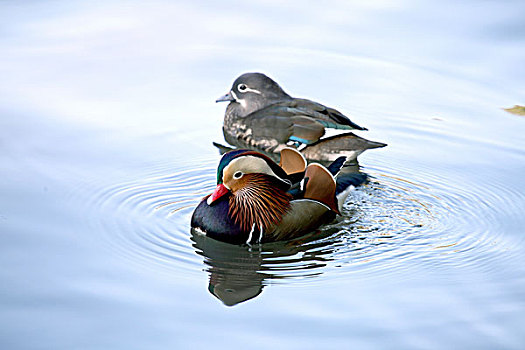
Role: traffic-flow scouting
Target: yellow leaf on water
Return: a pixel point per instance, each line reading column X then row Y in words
column 518, row 110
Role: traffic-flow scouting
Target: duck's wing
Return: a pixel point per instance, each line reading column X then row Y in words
column 283, row 124
column 298, row 120
column 304, row 215
column 321, row 186
column 292, row 161
column 330, row 117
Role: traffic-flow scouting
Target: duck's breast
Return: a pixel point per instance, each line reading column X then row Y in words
column 214, row 221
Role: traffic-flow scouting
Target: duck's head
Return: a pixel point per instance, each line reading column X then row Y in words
column 256, row 187
column 253, row 91
column 243, row 170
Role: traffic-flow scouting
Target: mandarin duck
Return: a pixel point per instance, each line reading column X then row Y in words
column 257, row 200
column 262, row 115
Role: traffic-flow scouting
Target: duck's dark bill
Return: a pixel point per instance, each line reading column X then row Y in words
column 225, row 98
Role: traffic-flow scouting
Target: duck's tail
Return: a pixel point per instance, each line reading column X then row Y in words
column 333, row 147
column 345, row 182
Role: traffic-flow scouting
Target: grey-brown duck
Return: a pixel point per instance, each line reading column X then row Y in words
column 262, row 115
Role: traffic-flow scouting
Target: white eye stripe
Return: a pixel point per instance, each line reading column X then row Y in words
column 244, row 88
column 250, row 165
column 253, row 90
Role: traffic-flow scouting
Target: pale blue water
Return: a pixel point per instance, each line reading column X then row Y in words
column 107, row 118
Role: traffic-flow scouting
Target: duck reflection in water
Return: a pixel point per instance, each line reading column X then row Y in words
column 239, row 273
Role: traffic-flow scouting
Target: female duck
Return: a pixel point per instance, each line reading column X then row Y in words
column 261, row 115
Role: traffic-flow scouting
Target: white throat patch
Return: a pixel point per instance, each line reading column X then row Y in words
column 238, row 100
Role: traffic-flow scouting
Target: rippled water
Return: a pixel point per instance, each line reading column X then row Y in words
column 106, row 147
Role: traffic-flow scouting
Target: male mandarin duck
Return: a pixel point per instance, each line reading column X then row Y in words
column 262, row 115
column 257, row 200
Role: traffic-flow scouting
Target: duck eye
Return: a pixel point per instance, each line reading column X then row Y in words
column 237, row 175
column 242, row 87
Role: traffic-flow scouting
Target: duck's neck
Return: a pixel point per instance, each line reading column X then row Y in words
column 236, row 110
column 243, row 108
column 259, row 205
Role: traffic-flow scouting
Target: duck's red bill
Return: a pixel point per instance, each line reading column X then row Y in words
column 220, row 191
